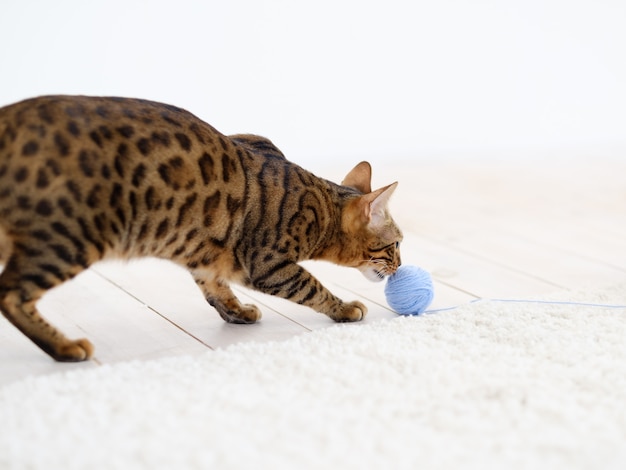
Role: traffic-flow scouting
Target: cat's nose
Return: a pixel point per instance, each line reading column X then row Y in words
column 394, row 267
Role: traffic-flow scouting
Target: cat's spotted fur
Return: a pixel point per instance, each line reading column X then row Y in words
column 84, row 178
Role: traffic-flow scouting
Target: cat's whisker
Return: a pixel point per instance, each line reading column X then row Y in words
column 376, row 261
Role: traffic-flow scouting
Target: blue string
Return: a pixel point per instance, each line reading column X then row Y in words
column 545, row 302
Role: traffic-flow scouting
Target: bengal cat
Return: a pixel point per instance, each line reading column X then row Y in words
column 83, row 178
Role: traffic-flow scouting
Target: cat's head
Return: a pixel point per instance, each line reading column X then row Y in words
column 371, row 241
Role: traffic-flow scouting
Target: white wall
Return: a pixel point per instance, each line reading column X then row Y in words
column 346, row 80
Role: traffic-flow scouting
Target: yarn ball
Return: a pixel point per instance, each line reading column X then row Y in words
column 409, row 291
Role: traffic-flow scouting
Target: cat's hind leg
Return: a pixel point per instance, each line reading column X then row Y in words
column 26, row 277
column 221, row 297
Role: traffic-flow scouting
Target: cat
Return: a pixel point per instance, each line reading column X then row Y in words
column 84, row 178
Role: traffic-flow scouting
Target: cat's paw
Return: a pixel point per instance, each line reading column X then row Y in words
column 350, row 311
column 246, row 314
column 73, row 351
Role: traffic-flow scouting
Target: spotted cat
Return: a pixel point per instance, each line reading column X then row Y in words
column 84, row 178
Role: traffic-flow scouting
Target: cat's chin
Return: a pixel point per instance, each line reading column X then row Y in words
column 371, row 274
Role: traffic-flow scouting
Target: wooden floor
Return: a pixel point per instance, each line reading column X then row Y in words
column 484, row 230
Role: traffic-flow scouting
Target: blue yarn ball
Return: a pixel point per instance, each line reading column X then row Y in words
column 409, row 290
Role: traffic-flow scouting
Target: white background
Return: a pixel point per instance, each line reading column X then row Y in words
column 335, row 80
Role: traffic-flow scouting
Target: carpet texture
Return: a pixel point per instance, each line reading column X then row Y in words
column 488, row 385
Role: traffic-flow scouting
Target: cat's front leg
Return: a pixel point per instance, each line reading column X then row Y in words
column 349, row 312
column 291, row 281
column 221, row 297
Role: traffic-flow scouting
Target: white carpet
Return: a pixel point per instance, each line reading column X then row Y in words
column 489, row 385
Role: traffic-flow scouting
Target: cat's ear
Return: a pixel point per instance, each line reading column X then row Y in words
column 360, row 178
column 374, row 204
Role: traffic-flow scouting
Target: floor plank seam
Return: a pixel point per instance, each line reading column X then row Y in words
column 486, row 259
column 174, row 324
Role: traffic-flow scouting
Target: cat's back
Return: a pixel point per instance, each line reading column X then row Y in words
column 129, row 169
column 65, row 125
column 128, row 141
